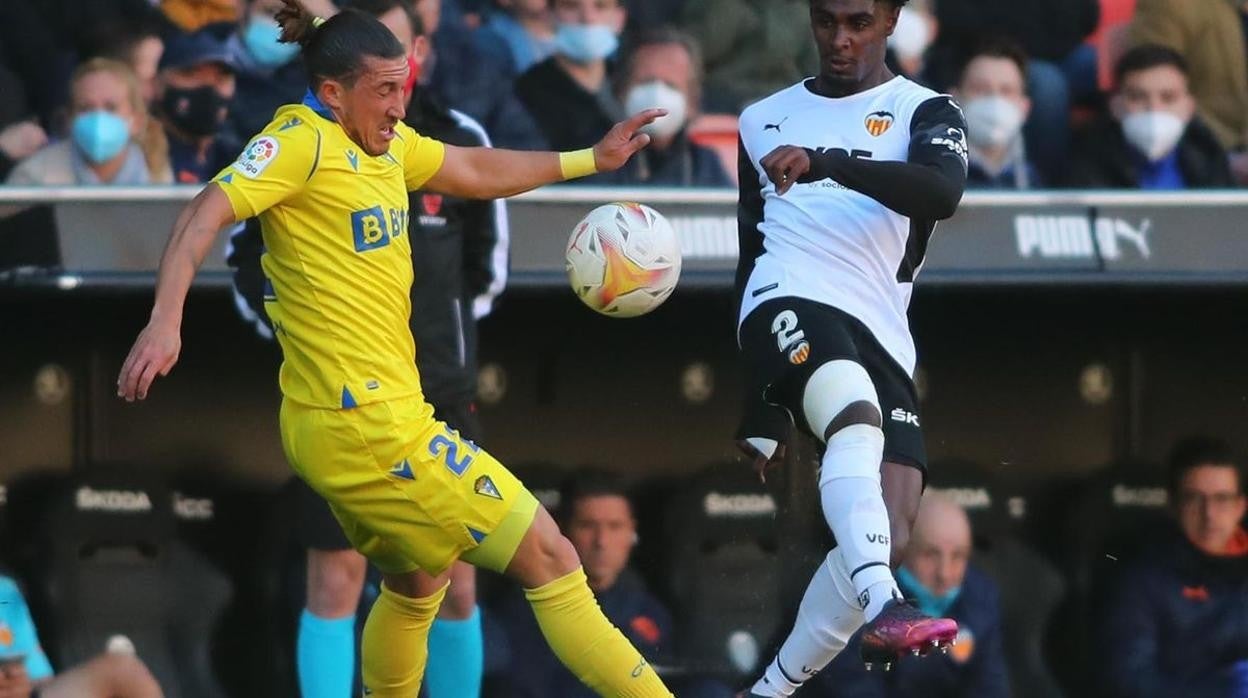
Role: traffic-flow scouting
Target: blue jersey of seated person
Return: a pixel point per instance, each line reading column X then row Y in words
column 974, row 667
column 17, row 632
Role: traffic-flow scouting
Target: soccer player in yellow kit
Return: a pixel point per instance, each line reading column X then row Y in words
column 329, row 180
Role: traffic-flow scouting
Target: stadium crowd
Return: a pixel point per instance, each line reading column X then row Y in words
column 1076, row 93
column 1092, row 94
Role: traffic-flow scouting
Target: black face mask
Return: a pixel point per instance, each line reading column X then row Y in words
column 197, row 112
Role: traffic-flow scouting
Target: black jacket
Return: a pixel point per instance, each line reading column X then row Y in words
column 683, row 164
column 570, row 117
column 1102, row 159
column 459, row 256
column 1047, row 30
column 1178, row 623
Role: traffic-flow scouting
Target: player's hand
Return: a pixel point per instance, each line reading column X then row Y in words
column 14, row 682
column 22, row 139
column 761, row 462
column 154, row 352
column 624, row 140
column 785, row 165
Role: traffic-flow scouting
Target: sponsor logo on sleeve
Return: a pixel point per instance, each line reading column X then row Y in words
column 259, row 154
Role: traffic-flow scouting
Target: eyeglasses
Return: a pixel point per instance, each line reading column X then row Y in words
column 1219, row 500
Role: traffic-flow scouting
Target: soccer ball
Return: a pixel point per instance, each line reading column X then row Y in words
column 623, row 259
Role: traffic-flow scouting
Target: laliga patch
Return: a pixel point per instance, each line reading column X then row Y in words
column 878, row 123
column 258, row 155
column 484, row 486
column 800, row 353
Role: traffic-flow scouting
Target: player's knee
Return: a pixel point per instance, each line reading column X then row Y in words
column 461, row 597
column 544, row 555
column 335, row 580
column 840, row 394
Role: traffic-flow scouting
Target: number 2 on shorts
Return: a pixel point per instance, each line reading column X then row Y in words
column 445, row 447
column 786, row 331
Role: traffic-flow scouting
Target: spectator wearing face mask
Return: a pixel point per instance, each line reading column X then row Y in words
column 937, row 574
column 270, row 73
column 569, row 94
column 915, row 31
column 663, row 69
column 108, row 123
column 195, row 87
column 472, row 77
column 992, row 90
column 524, row 28
column 1155, row 141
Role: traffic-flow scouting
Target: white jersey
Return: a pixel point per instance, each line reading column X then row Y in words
column 823, row 241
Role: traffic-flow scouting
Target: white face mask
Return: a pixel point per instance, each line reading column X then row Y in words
column 657, row 94
column 912, row 35
column 992, row 122
column 1154, row 133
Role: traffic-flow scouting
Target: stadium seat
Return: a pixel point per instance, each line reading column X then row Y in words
column 114, row 566
column 725, row 572
column 719, row 133
column 1031, row 589
column 1106, row 521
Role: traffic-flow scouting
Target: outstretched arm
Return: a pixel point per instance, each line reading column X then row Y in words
column 490, row 173
column 157, row 348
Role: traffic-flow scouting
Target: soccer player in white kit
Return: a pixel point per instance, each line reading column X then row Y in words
column 843, row 178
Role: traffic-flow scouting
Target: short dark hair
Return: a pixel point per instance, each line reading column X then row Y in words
column 335, row 49
column 1148, row 56
column 591, row 483
column 895, row 3
column 665, row 36
column 994, row 47
column 1196, row 451
column 377, row 8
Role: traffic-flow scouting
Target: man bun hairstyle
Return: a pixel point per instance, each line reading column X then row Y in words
column 335, row 48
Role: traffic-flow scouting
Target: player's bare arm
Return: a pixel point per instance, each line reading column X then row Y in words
column 490, row 173
column 157, row 348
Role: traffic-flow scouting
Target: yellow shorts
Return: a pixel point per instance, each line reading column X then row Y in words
column 409, row 492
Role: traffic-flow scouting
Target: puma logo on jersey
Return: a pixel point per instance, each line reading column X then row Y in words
column 901, row 415
column 776, row 126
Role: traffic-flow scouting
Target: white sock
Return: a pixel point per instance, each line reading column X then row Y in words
column 853, row 505
column 828, row 616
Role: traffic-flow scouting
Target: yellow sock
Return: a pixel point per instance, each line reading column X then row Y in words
column 395, row 643
column 586, row 642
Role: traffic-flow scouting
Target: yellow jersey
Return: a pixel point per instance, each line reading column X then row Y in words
column 337, row 255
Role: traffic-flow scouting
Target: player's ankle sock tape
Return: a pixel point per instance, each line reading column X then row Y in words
column 574, row 164
column 586, row 642
column 456, row 657
column 395, row 643
column 325, row 655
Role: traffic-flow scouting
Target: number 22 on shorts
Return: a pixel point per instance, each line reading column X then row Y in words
column 446, row 446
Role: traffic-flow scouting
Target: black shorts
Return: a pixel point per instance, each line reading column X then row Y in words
column 779, row 374
column 317, row 528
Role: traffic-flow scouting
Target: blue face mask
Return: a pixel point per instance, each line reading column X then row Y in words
column 585, row 43
column 100, row 135
column 928, row 602
column 261, row 39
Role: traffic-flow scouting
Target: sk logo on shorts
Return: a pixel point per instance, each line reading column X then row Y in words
column 800, row 353
column 484, row 486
